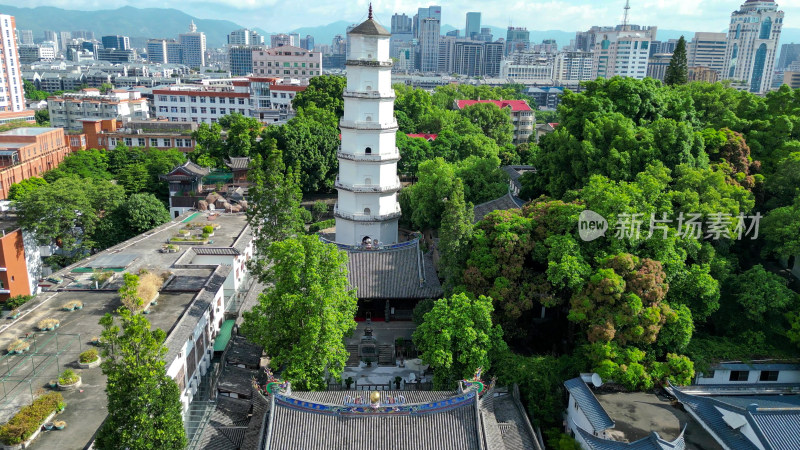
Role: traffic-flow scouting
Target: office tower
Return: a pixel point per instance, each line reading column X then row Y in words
column 446, row 52
column 116, row 55
column 91, row 46
column 294, row 39
column 64, row 38
column 657, row 65
column 157, row 50
column 288, row 62
column 485, row 35
column 517, row 39
column 193, row 46
column 707, row 50
column 401, row 23
column 28, row 53
column 307, row 42
column 240, row 59
column 174, row 52
column 13, row 98
column 473, row 27
column 493, row 56
column 245, row 37
column 752, row 44
column 50, row 36
column 25, row 37
column 433, row 12
column 279, row 40
column 118, row 42
column 367, row 210
column 623, row 53
column 429, row 36
column 789, row 54
column 453, row 33
column 83, row 34
column 469, row 58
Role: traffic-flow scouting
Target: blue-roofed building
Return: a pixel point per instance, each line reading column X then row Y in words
column 756, row 372
column 584, row 411
column 652, row 442
column 749, row 419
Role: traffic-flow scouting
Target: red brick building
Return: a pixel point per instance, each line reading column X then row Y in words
column 14, row 279
column 28, row 152
column 147, row 134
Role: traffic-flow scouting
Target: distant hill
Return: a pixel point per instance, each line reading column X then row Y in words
column 127, row 21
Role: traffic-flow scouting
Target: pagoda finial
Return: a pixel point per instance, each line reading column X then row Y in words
column 370, row 11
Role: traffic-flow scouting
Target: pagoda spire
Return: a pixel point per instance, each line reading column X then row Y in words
column 370, row 11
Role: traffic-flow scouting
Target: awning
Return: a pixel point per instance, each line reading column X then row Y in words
column 224, row 335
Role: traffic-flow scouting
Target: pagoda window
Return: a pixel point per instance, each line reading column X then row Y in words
column 367, row 212
column 368, row 150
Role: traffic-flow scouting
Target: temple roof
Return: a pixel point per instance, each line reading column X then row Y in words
column 238, row 163
column 503, row 203
column 187, row 170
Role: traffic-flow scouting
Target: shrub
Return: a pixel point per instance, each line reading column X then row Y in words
column 305, row 215
column 18, row 345
column 101, row 277
column 17, row 301
column 208, row 229
column 30, row 418
column 72, row 304
column 46, row 324
column 322, row 225
column 88, row 356
column 149, row 284
column 319, row 209
column 68, row 377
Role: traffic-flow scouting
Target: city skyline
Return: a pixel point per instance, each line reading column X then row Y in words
column 566, row 15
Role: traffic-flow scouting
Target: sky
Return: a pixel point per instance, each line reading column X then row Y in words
column 567, row 15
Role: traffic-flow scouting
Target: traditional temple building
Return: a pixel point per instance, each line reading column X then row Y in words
column 474, row 417
column 386, row 265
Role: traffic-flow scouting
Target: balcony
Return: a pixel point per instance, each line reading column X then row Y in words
column 368, row 125
column 359, row 217
column 368, row 63
column 367, row 94
column 368, row 188
column 372, row 157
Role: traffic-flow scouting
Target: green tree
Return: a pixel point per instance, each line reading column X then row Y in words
column 454, row 236
column 209, row 150
column 42, row 117
column 144, row 406
column 781, row 230
column 91, row 163
column 756, row 299
column 324, row 92
column 302, row 319
column 129, row 293
column 457, row 337
column 678, row 69
column 241, row 134
column 274, row 204
column 20, row 190
column 493, row 121
column 426, row 197
column 106, row 87
column 31, row 93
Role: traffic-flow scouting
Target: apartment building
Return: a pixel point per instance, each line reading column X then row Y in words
column 12, row 96
column 147, row 134
column 521, row 114
column 573, row 67
column 68, row 110
column 287, row 62
column 28, row 152
column 707, row 50
column 657, row 65
column 623, row 52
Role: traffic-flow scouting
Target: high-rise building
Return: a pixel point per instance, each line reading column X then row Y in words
column 118, row 42
column 432, row 12
column 50, row 36
column 657, row 65
column 245, row 37
column 623, row 52
column 307, row 42
column 367, row 210
column 789, row 54
column 707, row 50
column 402, row 35
column 473, row 27
column 174, row 52
column 517, row 39
column 193, row 46
column 485, row 35
column 447, row 49
column 64, row 38
column 493, row 56
column 469, row 58
column 279, row 40
column 429, row 36
column 157, row 50
column 12, row 96
column 573, row 66
column 401, row 23
column 287, row 62
column 294, row 39
column 116, row 55
column 240, row 59
column 83, row 34
column 753, row 36
column 453, row 33
column 25, row 37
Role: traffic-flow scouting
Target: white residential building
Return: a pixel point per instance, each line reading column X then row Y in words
column 287, row 62
column 193, row 46
column 623, row 52
column 66, row 111
column 539, row 72
column 12, row 96
column 753, row 36
column 572, row 67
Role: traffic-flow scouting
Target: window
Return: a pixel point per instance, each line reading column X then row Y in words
column 128, row 142
column 140, row 142
column 202, row 99
column 768, row 375
column 368, row 151
column 193, row 99
column 173, row 98
column 739, row 375
column 222, row 111
column 212, row 100
column 153, row 142
column 231, row 101
column 203, row 110
column 162, row 98
column 183, row 109
column 241, row 101
column 367, row 211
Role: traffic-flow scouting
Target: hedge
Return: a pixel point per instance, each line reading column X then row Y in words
column 88, row 356
column 321, row 225
column 30, row 418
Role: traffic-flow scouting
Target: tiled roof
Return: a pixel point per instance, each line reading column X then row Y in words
column 515, row 172
column 515, row 105
column 188, row 168
column 370, row 27
column 589, row 404
column 426, row 136
column 238, row 163
column 393, row 274
column 227, row 425
column 652, row 442
column 775, row 419
column 215, row 251
column 499, row 204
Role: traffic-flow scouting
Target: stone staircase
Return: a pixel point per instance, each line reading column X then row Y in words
column 353, row 360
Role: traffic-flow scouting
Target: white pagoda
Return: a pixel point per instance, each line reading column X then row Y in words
column 367, row 211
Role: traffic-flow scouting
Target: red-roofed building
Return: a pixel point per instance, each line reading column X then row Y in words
column 521, row 114
column 428, row 137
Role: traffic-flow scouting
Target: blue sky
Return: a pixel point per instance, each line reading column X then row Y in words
column 567, row 15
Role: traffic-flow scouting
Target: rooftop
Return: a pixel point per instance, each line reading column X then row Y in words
column 28, row 131
column 515, row 105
